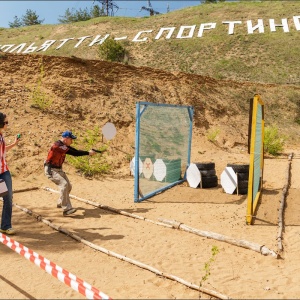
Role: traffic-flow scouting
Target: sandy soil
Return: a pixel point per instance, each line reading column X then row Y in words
column 236, row 272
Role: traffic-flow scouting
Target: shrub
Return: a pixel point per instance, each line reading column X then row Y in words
column 112, row 50
column 90, row 165
column 212, row 134
column 273, row 141
column 39, row 98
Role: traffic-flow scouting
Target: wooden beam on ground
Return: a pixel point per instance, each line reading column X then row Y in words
column 26, row 190
column 223, row 238
column 122, row 257
column 282, row 203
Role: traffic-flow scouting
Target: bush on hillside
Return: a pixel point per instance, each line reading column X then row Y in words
column 273, row 141
column 90, row 166
column 112, row 50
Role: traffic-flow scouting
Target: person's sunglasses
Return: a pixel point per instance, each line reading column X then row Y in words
column 6, row 122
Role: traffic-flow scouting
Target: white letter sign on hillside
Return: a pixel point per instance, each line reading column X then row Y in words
column 206, row 26
column 297, row 22
column 46, row 45
column 182, row 29
column 81, row 39
column 170, row 29
column 30, row 49
column 284, row 25
column 259, row 26
column 184, row 32
column 63, row 42
column 231, row 25
column 136, row 38
column 20, row 47
column 98, row 41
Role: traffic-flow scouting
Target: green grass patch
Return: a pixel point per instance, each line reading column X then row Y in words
column 90, row 166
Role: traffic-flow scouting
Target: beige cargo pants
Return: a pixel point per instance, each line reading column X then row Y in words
column 59, row 177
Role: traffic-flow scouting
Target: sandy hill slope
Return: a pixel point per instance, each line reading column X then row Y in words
column 88, row 93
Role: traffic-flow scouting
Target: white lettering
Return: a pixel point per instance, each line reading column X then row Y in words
column 98, row 40
column 81, row 39
column 170, row 29
column 8, row 47
column 29, row 49
column 46, row 45
column 120, row 38
column 205, row 26
column 63, row 42
column 284, row 24
column 297, row 22
column 181, row 30
column 21, row 46
column 259, row 26
column 231, row 25
column 184, row 32
column 136, row 38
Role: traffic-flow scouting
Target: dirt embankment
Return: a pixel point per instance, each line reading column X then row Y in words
column 88, row 93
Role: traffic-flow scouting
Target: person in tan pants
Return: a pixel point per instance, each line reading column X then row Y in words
column 53, row 168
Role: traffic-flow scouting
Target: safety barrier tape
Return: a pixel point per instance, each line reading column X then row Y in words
column 51, row 268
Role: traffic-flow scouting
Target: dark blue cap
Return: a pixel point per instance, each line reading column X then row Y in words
column 69, row 134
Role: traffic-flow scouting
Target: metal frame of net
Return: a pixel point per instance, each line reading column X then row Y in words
column 162, row 147
column 256, row 155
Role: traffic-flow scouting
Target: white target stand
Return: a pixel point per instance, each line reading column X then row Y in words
column 160, row 170
column 193, row 176
column 132, row 166
column 148, row 168
column 229, row 180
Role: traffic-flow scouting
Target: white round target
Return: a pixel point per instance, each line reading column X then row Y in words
column 160, row 170
column 132, row 166
column 147, row 168
column 109, row 131
column 193, row 176
column 229, row 180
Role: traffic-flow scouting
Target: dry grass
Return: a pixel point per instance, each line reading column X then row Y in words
column 268, row 57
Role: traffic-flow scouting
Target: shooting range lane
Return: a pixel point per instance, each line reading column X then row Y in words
column 168, row 250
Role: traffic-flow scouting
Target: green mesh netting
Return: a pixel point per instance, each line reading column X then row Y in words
column 257, row 153
column 164, row 146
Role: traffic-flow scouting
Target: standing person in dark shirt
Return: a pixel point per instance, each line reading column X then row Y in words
column 53, row 168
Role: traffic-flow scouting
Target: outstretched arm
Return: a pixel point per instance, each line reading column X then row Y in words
column 8, row 147
column 74, row 152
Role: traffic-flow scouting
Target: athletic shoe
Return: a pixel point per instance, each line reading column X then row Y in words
column 69, row 211
column 9, row 231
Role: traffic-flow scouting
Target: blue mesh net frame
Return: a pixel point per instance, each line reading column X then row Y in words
column 162, row 145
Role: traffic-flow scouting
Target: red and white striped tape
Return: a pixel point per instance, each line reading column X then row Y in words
column 51, row 268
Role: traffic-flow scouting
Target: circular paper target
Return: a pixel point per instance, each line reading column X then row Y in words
column 193, row 176
column 160, row 170
column 109, row 131
column 148, row 168
column 229, row 180
column 132, row 166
